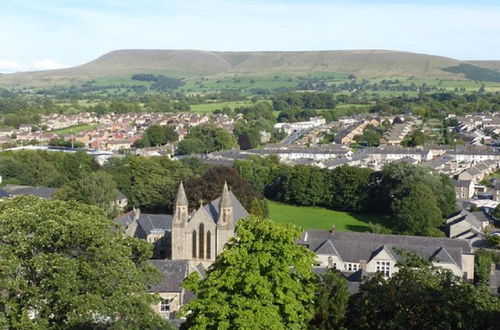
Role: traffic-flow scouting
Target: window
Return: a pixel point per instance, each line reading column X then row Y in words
column 384, row 267
column 330, row 262
column 194, row 244
column 209, row 247
column 352, row 267
column 201, row 242
column 165, row 305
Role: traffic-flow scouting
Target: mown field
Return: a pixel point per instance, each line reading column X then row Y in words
column 211, row 107
column 319, row 218
column 74, row 129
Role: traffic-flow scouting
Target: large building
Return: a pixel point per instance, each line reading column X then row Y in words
column 359, row 254
column 184, row 242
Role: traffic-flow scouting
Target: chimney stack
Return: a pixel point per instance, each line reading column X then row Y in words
column 333, row 230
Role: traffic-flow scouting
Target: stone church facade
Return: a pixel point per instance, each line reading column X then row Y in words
column 201, row 236
column 184, row 242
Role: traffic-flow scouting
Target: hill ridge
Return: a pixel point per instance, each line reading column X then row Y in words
column 183, row 63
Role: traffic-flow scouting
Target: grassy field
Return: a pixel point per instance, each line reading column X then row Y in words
column 210, row 107
column 319, row 218
column 74, row 129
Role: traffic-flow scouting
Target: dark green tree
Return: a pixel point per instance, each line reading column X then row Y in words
column 425, row 297
column 417, row 213
column 331, row 301
column 349, row 188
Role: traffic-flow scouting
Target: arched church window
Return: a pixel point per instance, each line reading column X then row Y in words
column 201, row 242
column 194, row 244
column 209, row 242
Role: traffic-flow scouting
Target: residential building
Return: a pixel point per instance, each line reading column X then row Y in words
column 370, row 253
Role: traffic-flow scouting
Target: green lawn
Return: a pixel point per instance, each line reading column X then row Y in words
column 210, row 107
column 319, row 218
column 74, row 129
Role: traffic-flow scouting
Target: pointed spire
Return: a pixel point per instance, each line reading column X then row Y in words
column 225, row 200
column 181, row 198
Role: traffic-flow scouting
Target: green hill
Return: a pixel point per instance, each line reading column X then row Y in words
column 188, row 63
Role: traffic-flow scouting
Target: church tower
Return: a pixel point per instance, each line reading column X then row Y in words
column 179, row 220
column 225, row 222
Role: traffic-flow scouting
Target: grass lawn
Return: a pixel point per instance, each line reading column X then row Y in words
column 319, row 218
column 210, row 107
column 74, row 129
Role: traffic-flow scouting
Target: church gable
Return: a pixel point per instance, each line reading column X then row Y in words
column 201, row 216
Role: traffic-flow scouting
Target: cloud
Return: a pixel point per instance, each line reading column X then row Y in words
column 9, row 66
column 47, row 64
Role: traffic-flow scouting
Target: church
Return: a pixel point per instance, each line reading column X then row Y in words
column 184, row 242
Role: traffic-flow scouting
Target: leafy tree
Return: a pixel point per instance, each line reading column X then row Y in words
column 209, row 187
column 482, row 265
column 331, row 301
column 97, row 188
column 392, row 181
column 417, row 213
column 156, row 135
column 206, row 138
column 422, row 298
column 259, row 171
column 348, row 188
column 150, row 183
column 190, row 146
column 305, row 185
column 263, row 279
column 417, row 138
column 259, row 208
column 65, row 266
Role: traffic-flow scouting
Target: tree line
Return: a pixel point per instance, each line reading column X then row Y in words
column 413, row 199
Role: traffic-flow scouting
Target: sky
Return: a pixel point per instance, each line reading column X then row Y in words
column 51, row 34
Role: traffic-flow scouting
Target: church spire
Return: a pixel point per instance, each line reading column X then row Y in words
column 225, row 200
column 181, row 198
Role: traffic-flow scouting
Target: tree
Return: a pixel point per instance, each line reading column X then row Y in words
column 425, row 297
column 392, row 181
column 190, row 146
column 263, row 279
column 260, row 208
column 209, row 187
column 417, row 213
column 349, row 191
column 65, row 266
column 157, row 135
column 96, row 188
column 331, row 301
column 206, row 138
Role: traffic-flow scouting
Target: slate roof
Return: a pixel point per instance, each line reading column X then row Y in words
column 461, row 183
column 4, row 194
column 174, row 272
column 42, row 192
column 150, row 223
column 353, row 247
column 239, row 211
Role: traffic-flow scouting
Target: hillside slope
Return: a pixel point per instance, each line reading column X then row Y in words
column 185, row 63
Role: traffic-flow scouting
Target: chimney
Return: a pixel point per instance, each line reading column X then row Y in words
column 333, row 230
column 137, row 213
